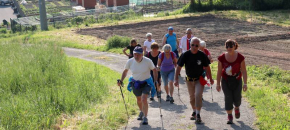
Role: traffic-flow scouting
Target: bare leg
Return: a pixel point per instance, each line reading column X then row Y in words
column 171, row 88
column 229, row 111
column 166, row 90
column 145, row 104
column 139, row 102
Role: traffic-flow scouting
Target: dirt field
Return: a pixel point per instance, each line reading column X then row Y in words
column 260, row 43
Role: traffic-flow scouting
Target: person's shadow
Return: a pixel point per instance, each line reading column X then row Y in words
column 241, row 127
column 146, row 127
column 167, row 106
column 202, row 126
column 214, row 107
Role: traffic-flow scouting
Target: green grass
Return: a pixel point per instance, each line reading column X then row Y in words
column 38, row 84
column 268, row 92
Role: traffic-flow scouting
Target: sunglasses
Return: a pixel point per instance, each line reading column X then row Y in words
column 230, row 46
column 194, row 45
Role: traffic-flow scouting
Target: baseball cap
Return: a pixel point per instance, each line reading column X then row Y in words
column 170, row 28
column 138, row 50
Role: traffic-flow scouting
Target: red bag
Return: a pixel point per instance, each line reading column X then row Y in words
column 203, row 82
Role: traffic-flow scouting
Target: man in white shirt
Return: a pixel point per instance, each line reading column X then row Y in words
column 147, row 43
column 185, row 40
column 140, row 82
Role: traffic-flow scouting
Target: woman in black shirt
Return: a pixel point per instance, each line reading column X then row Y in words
column 153, row 55
column 131, row 47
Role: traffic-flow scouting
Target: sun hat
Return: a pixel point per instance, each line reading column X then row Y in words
column 138, row 50
column 170, row 28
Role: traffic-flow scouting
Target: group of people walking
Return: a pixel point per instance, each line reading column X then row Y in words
column 148, row 65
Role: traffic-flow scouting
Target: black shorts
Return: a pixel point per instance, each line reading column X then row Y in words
column 144, row 90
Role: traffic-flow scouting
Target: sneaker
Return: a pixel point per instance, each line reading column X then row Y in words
column 167, row 98
column 159, row 94
column 237, row 113
column 171, row 100
column 198, row 119
column 230, row 119
column 152, row 98
column 193, row 116
column 140, row 117
column 145, row 121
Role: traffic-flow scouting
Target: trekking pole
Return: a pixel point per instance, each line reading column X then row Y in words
column 179, row 97
column 160, row 109
column 119, row 81
column 211, row 93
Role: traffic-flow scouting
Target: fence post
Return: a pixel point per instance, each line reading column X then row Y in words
column 10, row 24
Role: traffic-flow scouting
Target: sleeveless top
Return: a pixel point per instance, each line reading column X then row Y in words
column 154, row 59
column 236, row 66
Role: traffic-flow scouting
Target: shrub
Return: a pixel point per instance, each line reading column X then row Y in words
column 3, row 30
column 118, row 42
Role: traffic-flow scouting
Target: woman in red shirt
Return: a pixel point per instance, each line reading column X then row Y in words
column 231, row 69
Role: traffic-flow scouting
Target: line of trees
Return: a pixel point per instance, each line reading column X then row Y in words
column 206, row 5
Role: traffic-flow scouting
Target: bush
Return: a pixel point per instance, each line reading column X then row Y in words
column 3, row 30
column 117, row 42
column 207, row 5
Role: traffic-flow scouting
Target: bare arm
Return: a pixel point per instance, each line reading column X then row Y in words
column 175, row 62
column 124, row 74
column 124, row 51
column 208, row 71
column 177, row 72
column 245, row 76
column 218, row 78
column 144, row 50
column 164, row 40
column 155, row 74
column 210, row 58
column 159, row 62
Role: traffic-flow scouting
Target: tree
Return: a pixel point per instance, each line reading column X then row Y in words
column 192, row 4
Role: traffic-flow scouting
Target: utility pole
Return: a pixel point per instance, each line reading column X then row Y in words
column 43, row 18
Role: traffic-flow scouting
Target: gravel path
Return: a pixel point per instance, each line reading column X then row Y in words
column 175, row 116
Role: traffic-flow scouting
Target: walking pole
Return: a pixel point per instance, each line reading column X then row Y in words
column 211, row 93
column 180, row 98
column 119, row 81
column 156, row 83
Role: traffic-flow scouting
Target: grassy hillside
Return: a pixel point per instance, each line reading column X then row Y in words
column 39, row 84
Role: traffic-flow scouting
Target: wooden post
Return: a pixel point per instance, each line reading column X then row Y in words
column 43, row 17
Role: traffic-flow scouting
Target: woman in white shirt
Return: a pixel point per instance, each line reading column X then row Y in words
column 147, row 43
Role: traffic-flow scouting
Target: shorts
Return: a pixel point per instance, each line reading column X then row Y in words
column 144, row 90
column 167, row 75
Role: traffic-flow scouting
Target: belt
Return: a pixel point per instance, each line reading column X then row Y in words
column 191, row 79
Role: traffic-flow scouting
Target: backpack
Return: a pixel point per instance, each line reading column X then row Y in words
column 168, row 37
column 162, row 56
